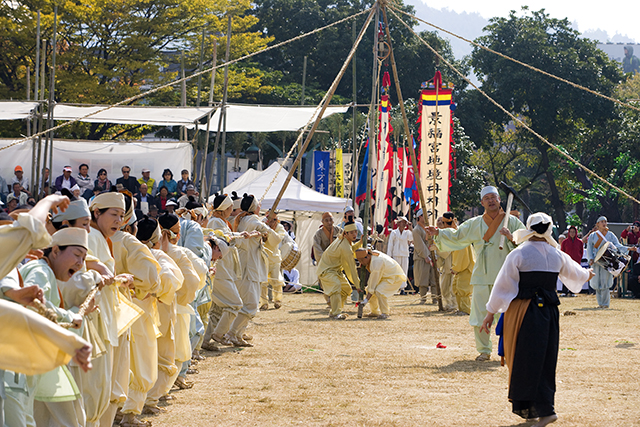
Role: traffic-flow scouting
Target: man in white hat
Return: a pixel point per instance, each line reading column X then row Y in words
column 152, row 185
column 423, row 273
column 399, row 241
column 603, row 280
column 483, row 232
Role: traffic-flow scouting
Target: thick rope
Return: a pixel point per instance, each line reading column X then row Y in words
column 514, row 118
column 531, row 67
column 184, row 79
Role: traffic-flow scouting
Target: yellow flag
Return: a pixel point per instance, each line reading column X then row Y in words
column 339, row 174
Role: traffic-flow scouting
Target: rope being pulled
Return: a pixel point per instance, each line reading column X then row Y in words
column 514, row 118
column 184, row 79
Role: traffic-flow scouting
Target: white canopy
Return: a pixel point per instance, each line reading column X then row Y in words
column 144, row 115
column 245, row 179
column 268, row 118
column 297, row 197
column 16, row 110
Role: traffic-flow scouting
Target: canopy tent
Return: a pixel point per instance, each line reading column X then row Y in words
column 16, row 110
column 156, row 156
column 130, row 115
column 269, row 118
column 246, row 178
column 297, row 197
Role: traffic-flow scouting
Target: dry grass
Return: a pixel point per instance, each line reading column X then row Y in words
column 307, row 370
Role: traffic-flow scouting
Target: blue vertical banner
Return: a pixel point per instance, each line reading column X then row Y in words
column 321, row 161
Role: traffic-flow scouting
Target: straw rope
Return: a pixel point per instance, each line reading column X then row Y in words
column 531, row 67
column 514, row 118
column 184, row 79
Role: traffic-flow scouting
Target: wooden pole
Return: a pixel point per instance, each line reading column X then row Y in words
column 223, row 158
column 52, row 89
column 330, row 93
column 354, row 113
column 412, row 151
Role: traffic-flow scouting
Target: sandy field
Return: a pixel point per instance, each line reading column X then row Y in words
column 308, row 370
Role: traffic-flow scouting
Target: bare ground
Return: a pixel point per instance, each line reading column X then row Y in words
column 307, row 370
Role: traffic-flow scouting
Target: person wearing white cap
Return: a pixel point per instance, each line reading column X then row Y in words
column 56, row 393
column 152, row 185
column 525, row 291
column 65, row 180
column 423, row 269
column 385, row 278
column 399, row 241
column 349, row 216
column 603, row 280
column 483, row 232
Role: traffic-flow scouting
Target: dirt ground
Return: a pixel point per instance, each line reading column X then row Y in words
column 307, row 370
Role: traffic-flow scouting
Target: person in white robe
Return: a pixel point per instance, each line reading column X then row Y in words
column 385, row 276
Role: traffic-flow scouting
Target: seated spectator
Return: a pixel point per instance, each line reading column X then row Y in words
column 153, row 211
column 288, row 228
column 171, row 206
column 18, row 176
column 184, row 183
column 190, row 195
column 169, row 183
column 65, row 180
column 631, row 236
column 96, row 191
column 145, row 200
column 84, row 181
column 4, row 190
column 12, row 203
column 128, row 182
column 152, row 185
column 76, row 191
column 18, row 194
column 43, row 184
column 162, row 199
column 102, row 183
column 292, row 281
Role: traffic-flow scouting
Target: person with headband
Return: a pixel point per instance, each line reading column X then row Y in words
column 171, row 280
column 274, row 259
column 603, row 280
column 424, row 276
column 462, row 263
column 385, row 279
column 483, row 233
column 325, row 235
column 525, row 291
column 399, row 241
column 107, row 215
column 226, row 300
column 444, row 263
column 136, row 371
column 55, row 393
column 336, row 268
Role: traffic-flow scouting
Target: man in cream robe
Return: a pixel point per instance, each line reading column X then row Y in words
column 423, row 269
column 335, row 267
column 483, row 233
column 462, row 263
column 445, row 259
column 385, row 278
column 276, row 280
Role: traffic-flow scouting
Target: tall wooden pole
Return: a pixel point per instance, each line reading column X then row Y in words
column 412, row 151
column 204, row 182
column 354, row 112
column 330, row 93
column 52, row 89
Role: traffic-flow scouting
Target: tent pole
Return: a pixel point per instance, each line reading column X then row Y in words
column 204, row 190
column 329, row 95
column 39, row 162
column 354, row 139
column 203, row 172
column 223, row 158
column 200, row 68
column 412, row 151
column 183, row 96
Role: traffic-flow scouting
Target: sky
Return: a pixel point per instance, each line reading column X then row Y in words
column 622, row 18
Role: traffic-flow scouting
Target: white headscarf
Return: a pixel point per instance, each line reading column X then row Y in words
column 537, row 218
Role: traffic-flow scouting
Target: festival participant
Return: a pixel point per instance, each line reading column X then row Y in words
column 170, row 225
column 349, row 216
column 631, row 236
column 573, row 246
column 399, row 241
column 462, row 263
column 603, row 280
column 325, row 235
column 525, row 290
column 336, row 268
column 423, row 274
column 171, row 280
column 226, row 301
column 445, row 258
column 254, row 267
column 107, row 213
column 55, row 393
column 385, row 278
column 140, row 373
column 272, row 249
column 169, row 183
column 482, row 233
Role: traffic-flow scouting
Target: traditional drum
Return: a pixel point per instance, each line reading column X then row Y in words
column 290, row 256
column 612, row 259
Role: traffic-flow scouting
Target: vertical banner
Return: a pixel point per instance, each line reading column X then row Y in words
column 347, row 166
column 406, row 205
column 384, row 156
column 435, row 145
column 339, row 173
column 321, row 171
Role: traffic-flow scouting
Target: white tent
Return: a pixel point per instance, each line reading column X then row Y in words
column 156, row 116
column 302, row 204
column 246, row 178
column 297, row 197
column 16, row 110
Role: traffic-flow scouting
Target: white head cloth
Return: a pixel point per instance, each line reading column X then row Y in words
column 77, row 209
column 488, row 190
column 537, row 218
